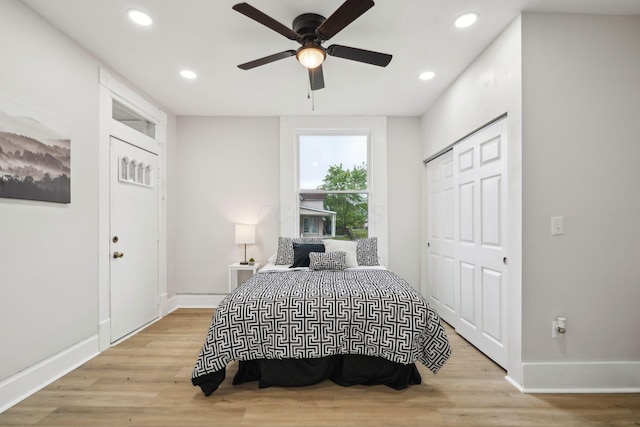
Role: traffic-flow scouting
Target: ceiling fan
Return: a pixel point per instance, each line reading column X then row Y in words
column 311, row 30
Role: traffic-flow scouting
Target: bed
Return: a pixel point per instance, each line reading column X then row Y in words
column 340, row 317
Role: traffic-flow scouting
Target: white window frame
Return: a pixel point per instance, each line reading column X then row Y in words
column 288, row 213
column 367, row 191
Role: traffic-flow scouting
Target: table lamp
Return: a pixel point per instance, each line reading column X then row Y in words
column 245, row 235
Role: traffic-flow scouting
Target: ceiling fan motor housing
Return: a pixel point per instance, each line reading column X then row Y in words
column 306, row 25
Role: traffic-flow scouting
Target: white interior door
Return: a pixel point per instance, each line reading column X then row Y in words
column 466, row 229
column 480, row 165
column 134, row 295
column 441, row 246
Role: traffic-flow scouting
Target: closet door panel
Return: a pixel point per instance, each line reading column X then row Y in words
column 441, row 238
column 491, row 211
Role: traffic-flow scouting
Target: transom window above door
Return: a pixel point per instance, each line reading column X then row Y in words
column 130, row 118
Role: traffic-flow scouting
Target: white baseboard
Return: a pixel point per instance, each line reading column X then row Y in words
column 164, row 305
column 514, row 383
column 589, row 377
column 104, row 333
column 200, row 300
column 23, row 384
column 172, row 304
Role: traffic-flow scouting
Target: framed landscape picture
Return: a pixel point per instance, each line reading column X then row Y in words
column 35, row 155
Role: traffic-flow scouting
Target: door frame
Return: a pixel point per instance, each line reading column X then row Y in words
column 112, row 89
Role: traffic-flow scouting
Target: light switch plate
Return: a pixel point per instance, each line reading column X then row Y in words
column 557, row 225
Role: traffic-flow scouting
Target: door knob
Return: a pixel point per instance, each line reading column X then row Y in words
column 118, row 254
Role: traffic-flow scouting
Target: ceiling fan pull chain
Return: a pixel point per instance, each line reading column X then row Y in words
column 311, row 96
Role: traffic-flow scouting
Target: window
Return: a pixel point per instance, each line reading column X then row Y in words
column 130, row 118
column 287, row 214
column 134, row 172
column 309, row 226
column 333, row 185
column 133, row 167
column 124, row 169
column 147, row 175
column 140, row 173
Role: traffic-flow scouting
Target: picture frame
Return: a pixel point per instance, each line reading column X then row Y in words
column 35, row 155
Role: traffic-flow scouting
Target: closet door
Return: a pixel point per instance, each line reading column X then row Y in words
column 441, row 243
column 481, row 190
column 466, row 232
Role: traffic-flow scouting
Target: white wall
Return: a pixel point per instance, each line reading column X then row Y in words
column 172, row 179
column 581, row 100
column 228, row 173
column 488, row 88
column 48, row 296
column 570, row 86
column 404, row 170
column 48, row 251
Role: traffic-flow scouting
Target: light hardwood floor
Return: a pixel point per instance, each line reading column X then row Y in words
column 145, row 381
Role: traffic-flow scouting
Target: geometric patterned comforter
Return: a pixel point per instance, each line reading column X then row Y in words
column 302, row 314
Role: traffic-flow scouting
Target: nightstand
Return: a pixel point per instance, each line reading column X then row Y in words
column 235, row 268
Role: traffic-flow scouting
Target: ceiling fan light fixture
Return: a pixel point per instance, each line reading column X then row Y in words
column 311, row 56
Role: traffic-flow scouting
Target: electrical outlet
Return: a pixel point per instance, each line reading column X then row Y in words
column 554, row 331
column 558, row 328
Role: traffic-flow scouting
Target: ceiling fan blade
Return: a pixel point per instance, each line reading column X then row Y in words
column 267, row 59
column 361, row 55
column 316, row 78
column 343, row 16
column 253, row 13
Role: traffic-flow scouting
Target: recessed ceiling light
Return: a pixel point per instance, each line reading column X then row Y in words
column 139, row 17
column 427, row 75
column 466, row 20
column 188, row 74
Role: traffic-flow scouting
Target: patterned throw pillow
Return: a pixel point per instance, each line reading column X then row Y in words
column 367, row 251
column 327, row 260
column 285, row 248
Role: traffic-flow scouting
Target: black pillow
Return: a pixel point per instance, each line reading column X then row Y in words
column 301, row 253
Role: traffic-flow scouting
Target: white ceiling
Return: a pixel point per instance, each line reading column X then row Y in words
column 210, row 38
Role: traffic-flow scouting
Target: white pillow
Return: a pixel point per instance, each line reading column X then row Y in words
column 346, row 246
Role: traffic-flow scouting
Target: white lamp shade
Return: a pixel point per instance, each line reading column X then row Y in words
column 245, row 234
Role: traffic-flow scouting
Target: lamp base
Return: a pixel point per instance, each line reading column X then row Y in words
column 244, row 263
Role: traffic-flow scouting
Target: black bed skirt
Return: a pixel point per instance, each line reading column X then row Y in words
column 345, row 370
